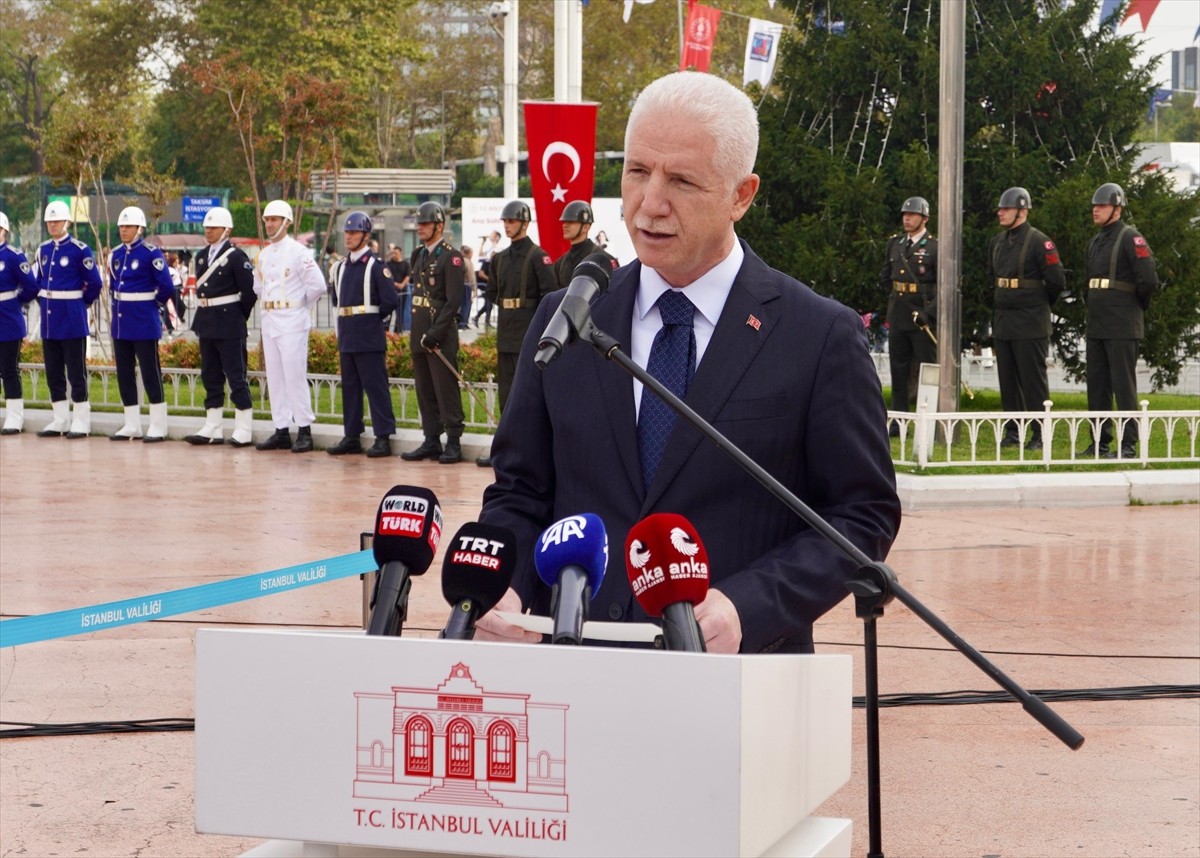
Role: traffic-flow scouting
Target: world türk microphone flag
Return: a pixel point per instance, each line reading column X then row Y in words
column 561, row 139
column 699, row 33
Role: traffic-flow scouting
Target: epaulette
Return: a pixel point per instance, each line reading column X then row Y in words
column 80, row 244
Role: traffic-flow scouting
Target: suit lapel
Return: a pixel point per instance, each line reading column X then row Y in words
column 745, row 323
column 613, row 314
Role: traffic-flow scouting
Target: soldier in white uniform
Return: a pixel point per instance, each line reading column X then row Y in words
column 288, row 282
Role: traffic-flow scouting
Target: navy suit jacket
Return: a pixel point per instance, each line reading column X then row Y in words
column 786, row 377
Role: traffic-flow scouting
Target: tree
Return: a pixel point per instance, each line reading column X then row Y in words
column 849, row 130
column 31, row 79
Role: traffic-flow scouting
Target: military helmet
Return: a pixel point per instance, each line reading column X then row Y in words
column 3, row 221
column 431, row 212
column 278, row 208
column 516, row 210
column 357, row 222
column 1015, row 198
column 57, row 210
column 915, row 205
column 1109, row 194
column 577, row 211
column 218, row 217
column 131, row 216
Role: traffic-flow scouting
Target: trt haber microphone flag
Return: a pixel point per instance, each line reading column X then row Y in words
column 561, row 139
column 699, row 33
column 762, row 48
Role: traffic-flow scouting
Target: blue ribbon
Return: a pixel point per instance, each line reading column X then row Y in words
column 110, row 615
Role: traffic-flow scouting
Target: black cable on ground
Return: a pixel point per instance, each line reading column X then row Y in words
column 1049, row 695
column 19, row 729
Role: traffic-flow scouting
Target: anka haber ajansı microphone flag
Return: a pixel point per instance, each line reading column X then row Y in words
column 699, row 33
column 561, row 139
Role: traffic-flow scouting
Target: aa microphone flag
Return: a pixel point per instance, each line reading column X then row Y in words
column 762, row 47
column 561, row 139
column 699, row 33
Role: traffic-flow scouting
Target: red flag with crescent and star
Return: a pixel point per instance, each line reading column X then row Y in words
column 561, row 139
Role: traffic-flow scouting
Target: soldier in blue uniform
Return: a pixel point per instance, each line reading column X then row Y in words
column 141, row 285
column 910, row 277
column 364, row 294
column 18, row 287
column 224, row 300
column 68, row 282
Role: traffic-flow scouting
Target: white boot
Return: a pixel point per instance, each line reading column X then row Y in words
column 132, row 429
column 62, row 418
column 81, row 421
column 210, row 432
column 243, row 423
column 14, row 417
column 158, row 423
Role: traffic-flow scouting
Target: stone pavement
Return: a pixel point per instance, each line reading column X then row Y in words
column 1068, row 597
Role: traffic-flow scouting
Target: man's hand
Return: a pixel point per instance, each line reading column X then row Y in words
column 920, row 319
column 428, row 343
column 493, row 628
column 719, row 623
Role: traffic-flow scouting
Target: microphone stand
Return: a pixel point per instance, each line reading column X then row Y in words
column 873, row 587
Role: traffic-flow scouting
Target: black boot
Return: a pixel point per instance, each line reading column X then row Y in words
column 431, row 449
column 380, row 449
column 304, row 442
column 484, row 461
column 281, row 440
column 453, row 452
column 348, row 444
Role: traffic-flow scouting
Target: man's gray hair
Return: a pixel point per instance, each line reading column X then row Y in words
column 723, row 109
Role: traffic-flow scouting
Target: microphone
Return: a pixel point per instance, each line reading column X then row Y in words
column 668, row 571
column 476, row 572
column 571, row 556
column 589, row 279
column 408, row 528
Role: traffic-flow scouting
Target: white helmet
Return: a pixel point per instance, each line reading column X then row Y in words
column 3, row 221
column 131, row 216
column 57, row 210
column 218, row 217
column 278, row 208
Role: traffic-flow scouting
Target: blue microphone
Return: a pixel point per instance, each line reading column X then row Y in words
column 571, row 557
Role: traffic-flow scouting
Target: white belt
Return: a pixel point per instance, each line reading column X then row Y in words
column 358, row 310
column 133, row 296
column 8, row 296
column 60, row 295
column 217, row 302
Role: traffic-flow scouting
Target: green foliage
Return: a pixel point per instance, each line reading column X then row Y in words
column 850, row 129
column 180, row 354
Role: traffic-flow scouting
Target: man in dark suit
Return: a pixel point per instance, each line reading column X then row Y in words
column 781, row 372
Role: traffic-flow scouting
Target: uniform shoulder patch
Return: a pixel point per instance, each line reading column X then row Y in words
column 387, row 272
column 1138, row 240
column 88, row 263
column 25, row 267
column 456, row 260
column 546, row 260
column 1049, row 245
column 247, row 265
column 160, row 263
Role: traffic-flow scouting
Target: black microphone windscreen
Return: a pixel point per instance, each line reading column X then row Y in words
column 408, row 528
column 598, row 266
column 479, row 565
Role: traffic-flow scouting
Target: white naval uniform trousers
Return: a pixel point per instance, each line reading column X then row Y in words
column 288, row 283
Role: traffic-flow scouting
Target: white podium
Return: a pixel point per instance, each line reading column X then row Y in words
column 341, row 745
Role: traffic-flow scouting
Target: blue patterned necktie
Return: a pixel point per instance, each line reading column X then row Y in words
column 673, row 363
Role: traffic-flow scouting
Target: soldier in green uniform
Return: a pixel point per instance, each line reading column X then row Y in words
column 577, row 220
column 1121, row 278
column 1024, row 267
column 519, row 276
column 437, row 284
column 910, row 277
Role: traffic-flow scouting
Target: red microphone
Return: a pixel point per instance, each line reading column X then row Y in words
column 668, row 571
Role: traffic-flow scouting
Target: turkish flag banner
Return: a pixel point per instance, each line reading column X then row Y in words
column 698, row 36
column 561, row 139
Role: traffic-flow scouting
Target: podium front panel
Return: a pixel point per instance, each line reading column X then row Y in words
column 501, row 749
